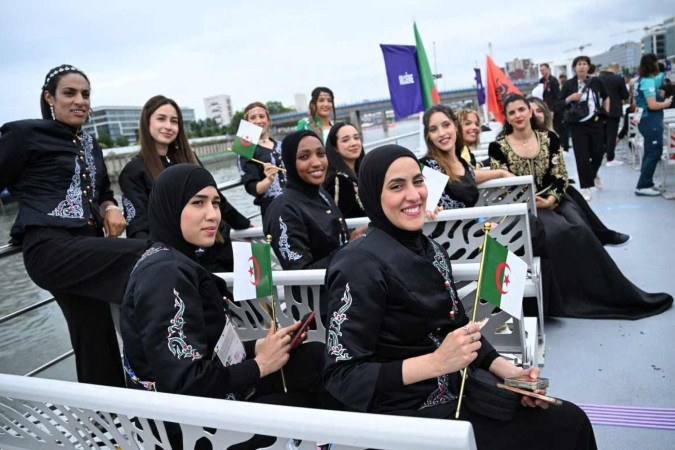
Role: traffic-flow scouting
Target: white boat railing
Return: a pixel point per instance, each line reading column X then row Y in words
column 45, row 414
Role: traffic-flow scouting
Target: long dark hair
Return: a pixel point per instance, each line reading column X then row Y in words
column 315, row 98
column 51, row 81
column 180, row 148
column 432, row 150
column 508, row 129
column 649, row 65
column 335, row 161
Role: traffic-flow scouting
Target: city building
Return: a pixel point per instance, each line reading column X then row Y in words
column 522, row 70
column 627, row 55
column 660, row 40
column 219, row 108
column 116, row 121
column 300, row 102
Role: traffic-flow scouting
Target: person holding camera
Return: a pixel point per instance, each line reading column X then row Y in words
column 585, row 101
column 648, row 98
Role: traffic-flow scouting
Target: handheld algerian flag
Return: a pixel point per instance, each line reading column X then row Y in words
column 436, row 183
column 503, row 277
column 252, row 270
column 246, row 139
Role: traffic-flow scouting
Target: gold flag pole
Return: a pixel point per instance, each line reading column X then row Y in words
column 486, row 230
column 274, row 319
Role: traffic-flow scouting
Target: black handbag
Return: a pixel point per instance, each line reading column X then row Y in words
column 577, row 110
column 483, row 397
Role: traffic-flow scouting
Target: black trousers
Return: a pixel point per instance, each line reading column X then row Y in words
column 611, row 131
column 560, row 128
column 85, row 273
column 588, row 139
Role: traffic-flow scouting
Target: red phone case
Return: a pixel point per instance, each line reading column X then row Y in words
column 297, row 336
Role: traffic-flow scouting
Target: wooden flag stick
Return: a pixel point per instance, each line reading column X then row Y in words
column 486, row 230
column 275, row 321
column 260, row 162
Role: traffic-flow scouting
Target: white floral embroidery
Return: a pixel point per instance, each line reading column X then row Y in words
column 441, row 394
column 325, row 199
column 284, row 246
column 335, row 348
column 71, row 207
column 129, row 210
column 148, row 253
column 176, row 338
column 88, row 147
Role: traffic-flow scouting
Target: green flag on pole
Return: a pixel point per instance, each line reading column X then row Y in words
column 429, row 91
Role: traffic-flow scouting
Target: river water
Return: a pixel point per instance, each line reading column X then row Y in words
column 34, row 338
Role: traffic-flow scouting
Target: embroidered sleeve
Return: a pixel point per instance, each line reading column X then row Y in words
column 135, row 196
column 168, row 311
column 356, row 307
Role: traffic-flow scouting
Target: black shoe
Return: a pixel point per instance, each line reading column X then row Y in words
column 618, row 239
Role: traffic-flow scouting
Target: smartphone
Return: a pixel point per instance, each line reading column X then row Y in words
column 525, row 382
column 296, row 338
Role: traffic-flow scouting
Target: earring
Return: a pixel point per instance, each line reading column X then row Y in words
column 51, row 110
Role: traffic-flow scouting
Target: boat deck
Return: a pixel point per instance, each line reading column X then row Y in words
column 620, row 362
column 616, row 369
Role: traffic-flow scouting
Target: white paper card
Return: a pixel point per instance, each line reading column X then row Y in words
column 436, row 183
column 229, row 348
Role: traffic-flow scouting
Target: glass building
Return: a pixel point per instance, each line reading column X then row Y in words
column 122, row 120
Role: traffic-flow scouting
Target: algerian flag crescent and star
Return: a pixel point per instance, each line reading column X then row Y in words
column 246, row 139
column 503, row 278
column 252, row 270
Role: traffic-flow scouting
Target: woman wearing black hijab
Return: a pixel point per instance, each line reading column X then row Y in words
column 306, row 226
column 170, row 291
column 398, row 334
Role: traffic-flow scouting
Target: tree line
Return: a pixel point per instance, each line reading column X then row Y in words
column 198, row 128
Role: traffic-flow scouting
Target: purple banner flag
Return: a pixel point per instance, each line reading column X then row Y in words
column 480, row 90
column 404, row 81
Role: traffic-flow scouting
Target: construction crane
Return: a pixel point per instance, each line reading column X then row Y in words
column 580, row 48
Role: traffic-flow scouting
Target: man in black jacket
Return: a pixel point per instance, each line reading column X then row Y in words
column 617, row 92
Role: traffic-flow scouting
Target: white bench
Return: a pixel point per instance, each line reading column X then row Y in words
column 504, row 191
column 460, row 233
column 38, row 414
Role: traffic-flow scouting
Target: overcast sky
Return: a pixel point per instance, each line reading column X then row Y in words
column 270, row 50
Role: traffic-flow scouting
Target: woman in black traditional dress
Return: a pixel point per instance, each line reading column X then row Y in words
column 175, row 311
column 262, row 181
column 164, row 143
column 589, row 282
column 345, row 152
column 398, row 334
column 66, row 206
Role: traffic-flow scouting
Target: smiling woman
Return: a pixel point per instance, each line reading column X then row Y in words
column 66, row 206
column 306, row 226
column 164, row 143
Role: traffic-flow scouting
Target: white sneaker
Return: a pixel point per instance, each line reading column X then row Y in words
column 651, row 192
column 613, row 163
column 598, row 183
column 586, row 193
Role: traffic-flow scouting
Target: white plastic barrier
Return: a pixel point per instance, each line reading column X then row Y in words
column 46, row 414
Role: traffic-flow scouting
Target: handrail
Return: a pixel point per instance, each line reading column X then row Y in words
column 12, row 249
column 25, row 310
column 384, row 141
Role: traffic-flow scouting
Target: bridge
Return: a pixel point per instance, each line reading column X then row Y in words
column 466, row 97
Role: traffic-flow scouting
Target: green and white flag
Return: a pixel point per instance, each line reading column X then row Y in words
column 246, row 139
column 252, row 270
column 503, row 277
